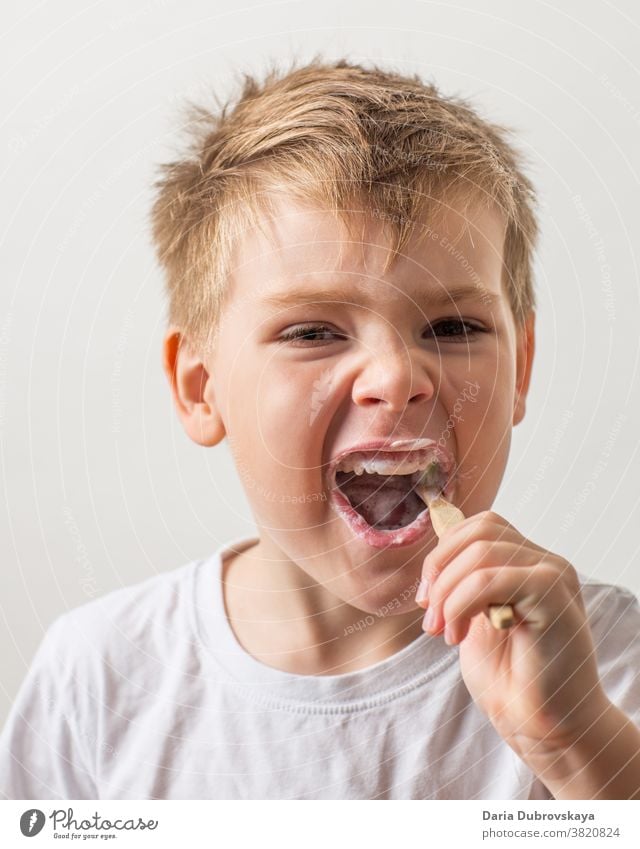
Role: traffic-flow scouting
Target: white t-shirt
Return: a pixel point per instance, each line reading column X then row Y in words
column 146, row 693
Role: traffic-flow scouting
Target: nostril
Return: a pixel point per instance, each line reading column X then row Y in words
column 419, row 398
column 371, row 401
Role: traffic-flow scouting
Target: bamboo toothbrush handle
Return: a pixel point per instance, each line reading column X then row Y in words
column 443, row 516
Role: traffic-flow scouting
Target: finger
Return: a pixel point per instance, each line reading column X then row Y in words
column 447, row 552
column 487, row 525
column 479, row 555
column 537, row 595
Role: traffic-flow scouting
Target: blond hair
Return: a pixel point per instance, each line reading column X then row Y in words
column 334, row 134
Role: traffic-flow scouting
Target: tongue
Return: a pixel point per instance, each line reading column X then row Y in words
column 385, row 502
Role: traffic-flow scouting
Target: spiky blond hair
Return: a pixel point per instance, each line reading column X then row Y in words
column 335, row 134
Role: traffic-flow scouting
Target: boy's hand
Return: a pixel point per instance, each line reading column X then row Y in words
column 537, row 681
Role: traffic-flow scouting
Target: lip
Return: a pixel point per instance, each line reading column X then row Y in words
column 402, row 536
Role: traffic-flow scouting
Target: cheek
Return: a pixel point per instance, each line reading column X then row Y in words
column 486, row 392
column 277, row 438
column 483, row 440
column 271, row 416
column 288, row 408
column 267, row 400
column 482, row 413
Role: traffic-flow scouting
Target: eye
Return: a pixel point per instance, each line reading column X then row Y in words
column 315, row 335
column 457, row 329
column 305, row 335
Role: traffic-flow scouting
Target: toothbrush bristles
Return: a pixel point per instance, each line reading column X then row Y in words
column 431, row 482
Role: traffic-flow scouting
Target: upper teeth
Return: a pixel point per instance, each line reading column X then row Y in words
column 381, row 466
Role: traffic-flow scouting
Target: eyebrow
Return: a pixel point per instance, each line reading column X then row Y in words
column 437, row 298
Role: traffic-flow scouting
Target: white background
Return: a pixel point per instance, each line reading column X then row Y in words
column 101, row 488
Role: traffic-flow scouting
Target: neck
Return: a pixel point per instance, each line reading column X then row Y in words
column 288, row 621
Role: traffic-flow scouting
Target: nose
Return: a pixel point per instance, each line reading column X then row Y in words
column 394, row 376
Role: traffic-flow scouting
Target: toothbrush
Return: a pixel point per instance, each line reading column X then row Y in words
column 444, row 515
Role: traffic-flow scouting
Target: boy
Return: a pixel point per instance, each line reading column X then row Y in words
column 350, row 296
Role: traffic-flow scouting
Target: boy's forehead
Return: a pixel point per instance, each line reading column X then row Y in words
column 308, row 245
column 311, row 235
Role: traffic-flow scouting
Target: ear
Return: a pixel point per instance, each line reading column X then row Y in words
column 524, row 361
column 192, row 390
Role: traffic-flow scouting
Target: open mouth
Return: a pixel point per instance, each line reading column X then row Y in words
column 377, row 493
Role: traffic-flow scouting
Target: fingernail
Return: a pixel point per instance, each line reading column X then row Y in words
column 448, row 635
column 423, row 592
column 429, row 620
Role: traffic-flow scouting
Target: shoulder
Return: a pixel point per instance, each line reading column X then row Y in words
column 608, row 604
column 141, row 619
column 614, row 620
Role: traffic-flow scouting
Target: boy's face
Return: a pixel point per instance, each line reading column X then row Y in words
column 390, row 361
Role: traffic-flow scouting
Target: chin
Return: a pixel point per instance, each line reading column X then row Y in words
column 381, row 582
